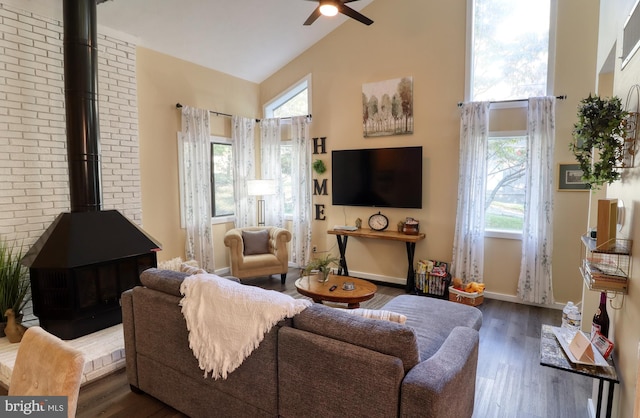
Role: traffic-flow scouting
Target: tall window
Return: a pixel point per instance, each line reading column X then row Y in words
column 295, row 101
column 506, row 164
column 222, row 200
column 511, row 49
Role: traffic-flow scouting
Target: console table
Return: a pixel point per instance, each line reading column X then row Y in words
column 552, row 355
column 410, row 241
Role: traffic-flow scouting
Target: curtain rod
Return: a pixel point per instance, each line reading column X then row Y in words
column 178, row 106
column 561, row 97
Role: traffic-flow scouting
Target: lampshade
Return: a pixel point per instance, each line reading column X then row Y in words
column 261, row 187
column 328, row 8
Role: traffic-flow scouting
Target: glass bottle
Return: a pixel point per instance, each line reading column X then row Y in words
column 601, row 318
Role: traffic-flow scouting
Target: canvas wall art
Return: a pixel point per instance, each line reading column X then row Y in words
column 387, row 107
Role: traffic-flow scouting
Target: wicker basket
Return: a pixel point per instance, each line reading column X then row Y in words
column 431, row 285
column 471, row 299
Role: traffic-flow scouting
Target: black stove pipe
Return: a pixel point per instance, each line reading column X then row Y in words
column 81, row 98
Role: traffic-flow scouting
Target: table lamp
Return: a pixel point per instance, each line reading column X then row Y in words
column 261, row 188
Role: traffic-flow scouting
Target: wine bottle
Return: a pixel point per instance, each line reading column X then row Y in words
column 601, row 318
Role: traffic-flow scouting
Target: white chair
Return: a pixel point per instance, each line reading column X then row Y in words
column 47, row 366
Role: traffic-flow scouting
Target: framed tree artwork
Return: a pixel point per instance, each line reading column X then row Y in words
column 387, row 107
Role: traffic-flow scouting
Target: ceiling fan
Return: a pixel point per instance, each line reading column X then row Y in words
column 332, row 8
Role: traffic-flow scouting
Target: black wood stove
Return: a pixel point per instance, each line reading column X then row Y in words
column 87, row 257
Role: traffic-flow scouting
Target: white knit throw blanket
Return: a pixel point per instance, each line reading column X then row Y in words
column 227, row 320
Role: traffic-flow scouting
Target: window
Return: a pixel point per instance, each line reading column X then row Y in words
column 295, row 101
column 222, row 200
column 510, row 49
column 506, row 165
column 287, row 191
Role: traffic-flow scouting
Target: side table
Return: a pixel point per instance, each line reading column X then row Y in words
column 552, row 355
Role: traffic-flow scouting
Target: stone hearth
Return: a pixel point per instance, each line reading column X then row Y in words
column 103, row 351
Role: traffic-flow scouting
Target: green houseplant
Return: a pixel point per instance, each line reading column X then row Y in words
column 14, row 281
column 598, row 136
column 321, row 265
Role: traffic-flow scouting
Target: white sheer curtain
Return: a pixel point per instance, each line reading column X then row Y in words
column 534, row 283
column 271, row 169
column 302, row 189
column 243, row 147
column 468, row 242
column 196, row 149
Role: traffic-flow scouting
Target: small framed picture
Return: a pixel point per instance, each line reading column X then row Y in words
column 570, row 178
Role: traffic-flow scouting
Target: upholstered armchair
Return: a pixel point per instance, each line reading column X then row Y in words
column 258, row 251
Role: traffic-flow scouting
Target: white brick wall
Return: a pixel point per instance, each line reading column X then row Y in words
column 33, row 167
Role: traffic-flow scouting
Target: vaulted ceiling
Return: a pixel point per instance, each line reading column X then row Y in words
column 249, row 39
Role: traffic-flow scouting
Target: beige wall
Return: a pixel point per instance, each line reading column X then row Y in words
column 624, row 329
column 426, row 40
column 164, row 81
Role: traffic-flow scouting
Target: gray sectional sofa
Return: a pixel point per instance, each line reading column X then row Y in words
column 321, row 363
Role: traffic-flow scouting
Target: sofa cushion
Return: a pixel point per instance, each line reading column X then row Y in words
column 433, row 319
column 382, row 336
column 167, row 281
column 255, row 242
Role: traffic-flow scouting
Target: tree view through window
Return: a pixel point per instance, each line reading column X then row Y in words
column 510, row 49
column 506, row 165
column 222, row 201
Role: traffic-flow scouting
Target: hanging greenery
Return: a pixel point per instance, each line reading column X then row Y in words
column 319, row 167
column 598, row 137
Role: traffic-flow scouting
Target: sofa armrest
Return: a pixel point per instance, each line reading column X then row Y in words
column 444, row 385
column 278, row 243
column 233, row 240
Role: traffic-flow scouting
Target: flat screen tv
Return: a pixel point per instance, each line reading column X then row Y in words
column 377, row 177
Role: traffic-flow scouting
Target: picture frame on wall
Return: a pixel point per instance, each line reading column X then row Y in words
column 387, row 107
column 570, row 178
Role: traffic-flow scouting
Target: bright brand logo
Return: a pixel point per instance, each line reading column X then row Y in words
column 25, row 407
column 39, row 406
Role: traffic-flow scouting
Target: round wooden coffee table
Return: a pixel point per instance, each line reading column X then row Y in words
column 319, row 292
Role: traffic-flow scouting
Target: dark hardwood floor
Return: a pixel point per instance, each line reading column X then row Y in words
column 510, row 381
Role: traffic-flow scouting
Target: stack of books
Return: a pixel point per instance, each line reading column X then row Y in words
column 604, row 276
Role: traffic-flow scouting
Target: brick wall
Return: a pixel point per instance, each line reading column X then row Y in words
column 33, row 168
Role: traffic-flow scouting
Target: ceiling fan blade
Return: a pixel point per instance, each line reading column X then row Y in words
column 312, row 17
column 348, row 11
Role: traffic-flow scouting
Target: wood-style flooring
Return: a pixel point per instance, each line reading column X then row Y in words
column 510, row 381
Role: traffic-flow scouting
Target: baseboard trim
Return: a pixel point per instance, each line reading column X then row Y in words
column 378, row 278
column 515, row 299
column 489, row 295
column 223, row 271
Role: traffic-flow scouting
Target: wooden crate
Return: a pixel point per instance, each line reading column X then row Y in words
column 471, row 299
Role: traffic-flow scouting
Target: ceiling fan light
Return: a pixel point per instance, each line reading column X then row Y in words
column 328, row 9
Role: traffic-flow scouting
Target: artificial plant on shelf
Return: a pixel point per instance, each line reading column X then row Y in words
column 598, row 137
column 321, row 265
column 14, row 281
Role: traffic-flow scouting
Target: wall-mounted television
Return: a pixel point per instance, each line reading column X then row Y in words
column 377, row 177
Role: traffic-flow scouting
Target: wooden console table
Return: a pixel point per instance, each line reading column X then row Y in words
column 410, row 241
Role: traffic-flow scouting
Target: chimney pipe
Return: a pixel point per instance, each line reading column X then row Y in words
column 81, row 98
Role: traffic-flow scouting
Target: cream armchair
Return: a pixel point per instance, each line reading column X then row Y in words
column 258, row 251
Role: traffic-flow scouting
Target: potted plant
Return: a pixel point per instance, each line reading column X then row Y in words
column 14, row 282
column 599, row 135
column 321, row 266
